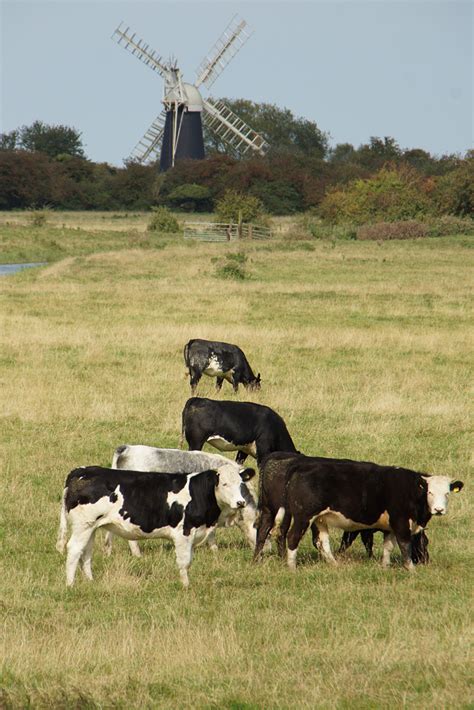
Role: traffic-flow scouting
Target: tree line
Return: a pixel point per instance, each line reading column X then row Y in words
column 43, row 165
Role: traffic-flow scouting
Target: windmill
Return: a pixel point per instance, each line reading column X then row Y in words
column 178, row 128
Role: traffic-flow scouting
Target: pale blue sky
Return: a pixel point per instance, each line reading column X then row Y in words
column 380, row 68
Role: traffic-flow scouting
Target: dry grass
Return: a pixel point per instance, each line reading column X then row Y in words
column 365, row 351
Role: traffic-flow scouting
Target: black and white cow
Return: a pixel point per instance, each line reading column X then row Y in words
column 275, row 471
column 221, row 360
column 149, row 458
column 183, row 508
column 234, row 426
column 359, row 496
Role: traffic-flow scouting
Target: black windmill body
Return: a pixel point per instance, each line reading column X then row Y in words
column 177, row 132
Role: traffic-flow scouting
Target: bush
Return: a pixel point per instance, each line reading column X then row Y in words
column 310, row 226
column 234, row 268
column 191, row 197
column 393, row 194
column 408, row 229
column 446, row 225
column 234, row 206
column 454, row 192
column 162, row 220
column 38, row 218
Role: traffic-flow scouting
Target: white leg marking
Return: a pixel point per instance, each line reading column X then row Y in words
column 388, row 545
column 184, row 554
column 108, row 543
column 62, row 532
column 134, row 548
column 75, row 547
column 211, row 541
column 86, row 559
column 325, row 546
column 291, row 559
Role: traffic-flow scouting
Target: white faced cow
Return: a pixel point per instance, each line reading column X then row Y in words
column 221, row 360
column 149, row 458
column 182, row 508
column 348, row 495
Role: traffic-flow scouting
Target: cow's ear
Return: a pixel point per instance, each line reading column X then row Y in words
column 247, row 474
column 456, row 486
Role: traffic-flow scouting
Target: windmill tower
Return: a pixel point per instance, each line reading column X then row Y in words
column 177, row 131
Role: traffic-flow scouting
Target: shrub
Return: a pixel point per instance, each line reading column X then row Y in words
column 454, row 192
column 407, row 229
column 191, row 197
column 162, row 220
column 446, row 225
column 234, row 206
column 234, row 268
column 38, row 218
column 391, row 195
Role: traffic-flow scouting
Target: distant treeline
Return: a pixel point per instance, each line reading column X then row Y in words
column 43, row 165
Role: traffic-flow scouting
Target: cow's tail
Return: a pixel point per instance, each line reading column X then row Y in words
column 62, row 531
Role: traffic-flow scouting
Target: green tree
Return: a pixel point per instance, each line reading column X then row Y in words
column 282, row 130
column 234, row 206
column 454, row 192
column 191, row 197
column 51, row 140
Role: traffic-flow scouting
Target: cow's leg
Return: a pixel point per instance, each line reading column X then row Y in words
column 402, row 532
column 368, row 540
column 75, row 547
column 183, row 545
column 195, row 376
column 388, row 545
column 324, row 545
column 108, row 540
column 241, row 456
column 211, row 540
column 134, row 548
column 347, row 540
column 315, row 535
column 219, row 381
column 297, row 530
column 86, row 559
column 283, row 534
column 62, row 532
column 265, row 524
column 419, row 549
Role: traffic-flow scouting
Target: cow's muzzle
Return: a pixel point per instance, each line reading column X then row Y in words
column 241, row 504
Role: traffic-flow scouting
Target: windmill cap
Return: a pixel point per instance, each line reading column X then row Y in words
column 193, row 97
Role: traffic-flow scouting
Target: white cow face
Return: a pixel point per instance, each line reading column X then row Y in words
column 439, row 488
column 228, row 488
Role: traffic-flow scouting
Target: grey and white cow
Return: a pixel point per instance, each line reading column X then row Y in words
column 224, row 361
column 139, row 457
column 183, row 508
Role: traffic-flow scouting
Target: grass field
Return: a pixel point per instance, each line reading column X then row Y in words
column 364, row 349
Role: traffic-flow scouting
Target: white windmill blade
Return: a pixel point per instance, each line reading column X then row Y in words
column 141, row 50
column 232, row 39
column 219, row 118
column 149, row 145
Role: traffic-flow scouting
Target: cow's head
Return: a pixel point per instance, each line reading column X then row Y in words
column 438, row 490
column 255, row 384
column 228, row 486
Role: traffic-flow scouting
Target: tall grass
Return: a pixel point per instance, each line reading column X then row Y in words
column 364, row 349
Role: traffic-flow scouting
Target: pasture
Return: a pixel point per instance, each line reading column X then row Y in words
column 365, row 349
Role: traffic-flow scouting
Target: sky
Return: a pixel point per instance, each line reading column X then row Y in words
column 399, row 68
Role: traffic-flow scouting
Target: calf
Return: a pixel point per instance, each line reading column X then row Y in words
column 221, row 360
column 136, row 505
column 149, row 458
column 234, row 426
column 359, row 496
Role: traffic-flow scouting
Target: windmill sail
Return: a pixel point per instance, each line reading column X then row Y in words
column 140, row 49
column 148, row 147
column 229, row 43
column 219, row 118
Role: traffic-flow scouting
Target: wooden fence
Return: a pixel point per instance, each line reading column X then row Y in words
column 220, row 232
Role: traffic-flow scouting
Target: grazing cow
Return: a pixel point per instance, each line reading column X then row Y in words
column 149, row 458
column 419, row 544
column 135, row 505
column 359, row 496
column 221, row 360
column 234, row 426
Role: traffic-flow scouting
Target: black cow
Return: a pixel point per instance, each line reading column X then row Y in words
column 183, row 508
column 234, row 426
column 349, row 495
column 222, row 360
